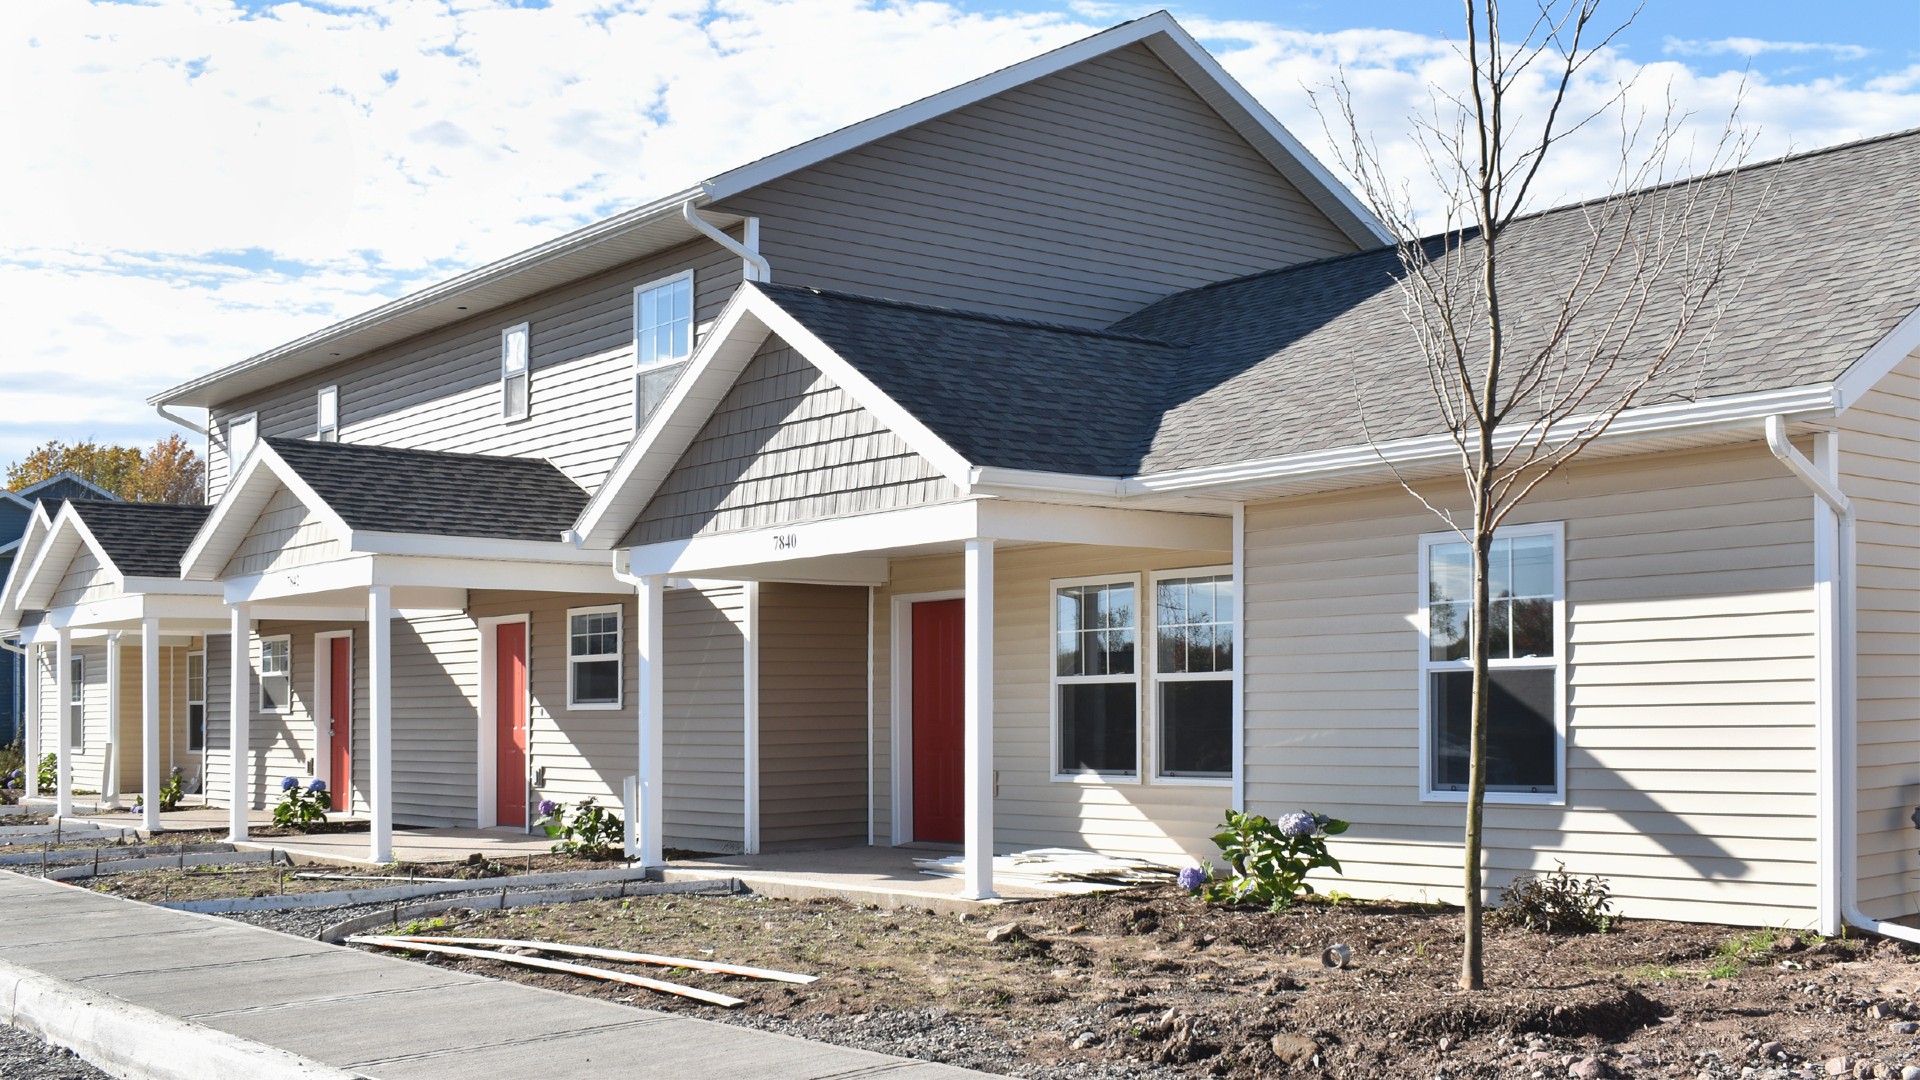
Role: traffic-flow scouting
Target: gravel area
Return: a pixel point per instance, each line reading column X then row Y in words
column 24, row 1057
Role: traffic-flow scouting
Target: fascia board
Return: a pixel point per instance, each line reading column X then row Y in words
column 59, row 549
column 367, row 542
column 1865, row 373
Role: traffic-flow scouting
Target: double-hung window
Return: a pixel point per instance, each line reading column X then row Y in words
column 1525, row 665
column 327, row 406
column 196, row 702
column 516, row 390
column 593, row 658
column 242, row 432
column 662, row 336
column 1096, row 677
column 77, row 701
column 1193, row 673
column 276, row 675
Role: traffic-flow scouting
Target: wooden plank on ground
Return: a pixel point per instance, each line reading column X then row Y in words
column 656, row 985
column 619, row 955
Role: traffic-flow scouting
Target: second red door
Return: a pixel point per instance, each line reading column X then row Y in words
column 510, row 713
column 939, row 721
column 340, row 724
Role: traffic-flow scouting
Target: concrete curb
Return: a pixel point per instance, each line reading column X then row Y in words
column 134, row 1042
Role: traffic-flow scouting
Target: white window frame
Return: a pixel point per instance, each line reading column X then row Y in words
column 264, row 674
column 619, row 658
column 693, row 336
column 200, row 655
column 77, row 702
column 1156, row 676
column 326, row 400
column 1427, row 666
column 1055, row 680
column 525, row 374
column 235, row 460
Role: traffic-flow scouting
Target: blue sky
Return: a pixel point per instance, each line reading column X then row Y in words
column 200, row 180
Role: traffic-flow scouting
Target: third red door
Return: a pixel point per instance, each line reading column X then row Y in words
column 510, row 717
column 340, row 724
column 939, row 720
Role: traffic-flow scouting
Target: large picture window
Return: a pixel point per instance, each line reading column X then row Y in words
column 1525, row 741
column 196, row 702
column 1096, row 680
column 276, row 675
column 1193, row 674
column 593, row 658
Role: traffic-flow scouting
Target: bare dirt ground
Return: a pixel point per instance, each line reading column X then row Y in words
column 209, row 882
column 1155, row 983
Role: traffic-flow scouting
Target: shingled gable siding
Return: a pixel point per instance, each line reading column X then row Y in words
column 1690, row 763
column 1166, row 823
column 1078, row 197
column 85, row 580
column 442, row 391
column 813, row 715
column 1879, row 449
column 287, row 533
column 590, row 753
column 786, row 445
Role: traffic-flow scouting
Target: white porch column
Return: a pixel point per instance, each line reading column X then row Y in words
column 63, row 727
column 150, row 724
column 239, row 719
column 110, row 749
column 30, row 759
column 380, row 720
column 978, row 832
column 650, row 634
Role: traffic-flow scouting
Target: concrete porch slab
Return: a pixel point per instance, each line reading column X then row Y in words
column 883, row 876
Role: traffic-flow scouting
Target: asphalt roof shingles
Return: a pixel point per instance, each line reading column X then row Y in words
column 142, row 539
column 385, row 489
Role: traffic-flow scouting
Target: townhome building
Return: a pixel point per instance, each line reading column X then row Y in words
column 1023, row 468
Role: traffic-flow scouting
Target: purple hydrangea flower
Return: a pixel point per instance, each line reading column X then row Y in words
column 548, row 808
column 317, row 787
column 1298, row 823
column 1192, row 877
column 289, row 784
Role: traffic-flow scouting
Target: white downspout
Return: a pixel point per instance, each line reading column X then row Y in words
column 757, row 268
column 176, row 418
column 1839, row 740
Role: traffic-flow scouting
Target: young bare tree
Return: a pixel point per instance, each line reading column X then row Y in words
column 1538, row 331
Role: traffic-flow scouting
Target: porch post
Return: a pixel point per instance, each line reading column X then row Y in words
column 380, row 720
column 979, row 720
column 30, row 759
column 650, row 634
column 110, row 749
column 239, row 719
column 150, row 724
column 63, row 725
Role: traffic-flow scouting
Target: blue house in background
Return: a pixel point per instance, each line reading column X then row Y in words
column 16, row 507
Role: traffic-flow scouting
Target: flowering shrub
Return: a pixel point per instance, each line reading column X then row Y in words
column 299, row 808
column 1191, row 878
column 593, row 832
column 49, row 771
column 1270, row 860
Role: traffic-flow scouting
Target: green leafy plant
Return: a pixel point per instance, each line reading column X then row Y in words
column 300, row 808
column 592, row 831
column 49, row 772
column 1556, row 903
column 170, row 792
column 1270, row 860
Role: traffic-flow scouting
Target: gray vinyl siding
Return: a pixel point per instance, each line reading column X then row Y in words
column 436, row 714
column 278, row 744
column 217, row 759
column 1880, row 471
column 1078, row 198
column 786, row 445
column 90, row 765
column 441, row 391
column 813, row 715
column 705, row 719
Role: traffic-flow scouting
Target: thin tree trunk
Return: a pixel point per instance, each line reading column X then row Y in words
column 1473, row 974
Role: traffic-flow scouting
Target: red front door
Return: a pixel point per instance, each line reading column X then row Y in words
column 340, row 724
column 939, row 720
column 510, row 719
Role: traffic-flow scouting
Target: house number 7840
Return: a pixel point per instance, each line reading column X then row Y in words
column 785, row 541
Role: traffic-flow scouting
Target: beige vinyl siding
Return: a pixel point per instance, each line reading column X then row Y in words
column 216, row 761
column 131, row 741
column 1690, row 760
column 287, row 533
column 1159, row 821
column 705, row 720
column 172, row 726
column 441, row 391
column 436, row 710
column 85, row 580
column 786, row 445
column 1880, row 471
column 813, row 715
column 1078, row 198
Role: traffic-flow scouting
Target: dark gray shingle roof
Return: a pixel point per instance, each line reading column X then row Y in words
column 385, row 489
column 142, row 539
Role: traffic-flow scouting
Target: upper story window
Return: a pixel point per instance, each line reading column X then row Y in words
column 242, row 433
column 662, row 335
column 1526, row 665
column 328, row 427
column 516, row 390
column 276, row 674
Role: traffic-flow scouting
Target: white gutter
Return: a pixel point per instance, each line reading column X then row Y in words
column 176, row 418
column 12, row 648
column 1834, row 577
column 757, row 269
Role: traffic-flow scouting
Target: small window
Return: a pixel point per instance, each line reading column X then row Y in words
column 77, row 700
column 1193, row 674
column 1525, row 744
column 196, row 702
column 276, row 675
column 593, row 658
column 662, row 335
column 328, row 429
column 1096, row 683
column 241, row 432
column 516, row 390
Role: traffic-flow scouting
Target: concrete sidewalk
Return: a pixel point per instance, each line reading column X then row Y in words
column 374, row 1016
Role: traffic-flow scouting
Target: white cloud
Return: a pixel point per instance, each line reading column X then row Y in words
column 1747, row 46
column 190, row 183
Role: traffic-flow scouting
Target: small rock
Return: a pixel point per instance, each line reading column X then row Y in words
column 1840, row 1066
column 1446, row 1043
column 1589, row 1068
column 1086, row 1039
column 1771, row 1051
column 1911, row 1072
column 1903, row 1027
column 1297, row 1051
column 1077, row 928
column 1787, row 943
column 1880, row 1010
